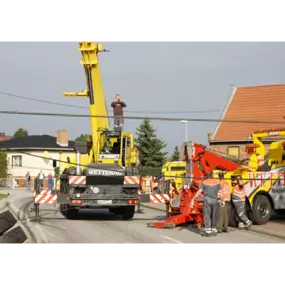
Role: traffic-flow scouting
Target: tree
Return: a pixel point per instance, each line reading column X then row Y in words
column 3, row 165
column 150, row 147
column 83, row 137
column 20, row 133
column 176, row 154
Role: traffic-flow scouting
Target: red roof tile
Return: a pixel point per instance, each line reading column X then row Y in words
column 5, row 138
column 265, row 103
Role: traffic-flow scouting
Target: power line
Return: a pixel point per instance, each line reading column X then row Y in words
column 126, row 111
column 143, row 118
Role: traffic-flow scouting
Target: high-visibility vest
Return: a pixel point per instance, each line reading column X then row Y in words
column 239, row 194
column 225, row 192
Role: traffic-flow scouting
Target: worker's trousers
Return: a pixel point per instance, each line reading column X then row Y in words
column 119, row 122
column 40, row 184
column 240, row 210
column 223, row 221
column 210, row 213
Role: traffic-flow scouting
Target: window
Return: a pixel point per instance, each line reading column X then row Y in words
column 16, row 160
column 234, row 151
column 178, row 168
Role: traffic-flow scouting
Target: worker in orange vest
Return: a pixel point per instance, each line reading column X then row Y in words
column 239, row 198
column 210, row 187
column 225, row 199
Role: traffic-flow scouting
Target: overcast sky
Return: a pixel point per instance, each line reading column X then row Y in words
column 149, row 76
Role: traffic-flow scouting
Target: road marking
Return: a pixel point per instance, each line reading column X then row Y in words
column 172, row 239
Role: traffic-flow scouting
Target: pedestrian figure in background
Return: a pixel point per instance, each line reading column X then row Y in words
column 28, row 181
column 40, row 180
column 50, row 181
column 224, row 202
column 238, row 198
column 210, row 188
column 118, row 106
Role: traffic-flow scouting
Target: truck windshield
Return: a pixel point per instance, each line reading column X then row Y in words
column 177, row 168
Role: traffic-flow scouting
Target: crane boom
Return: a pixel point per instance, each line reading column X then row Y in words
column 94, row 91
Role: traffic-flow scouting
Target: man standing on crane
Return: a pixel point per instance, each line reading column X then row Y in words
column 210, row 187
column 118, row 106
column 238, row 198
column 225, row 199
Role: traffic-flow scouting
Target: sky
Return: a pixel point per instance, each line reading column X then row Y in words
column 151, row 77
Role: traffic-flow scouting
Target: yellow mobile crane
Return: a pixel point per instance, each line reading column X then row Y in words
column 106, row 173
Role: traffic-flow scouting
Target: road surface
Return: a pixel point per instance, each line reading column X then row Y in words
column 100, row 226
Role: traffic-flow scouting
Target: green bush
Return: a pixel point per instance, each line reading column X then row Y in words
column 3, row 165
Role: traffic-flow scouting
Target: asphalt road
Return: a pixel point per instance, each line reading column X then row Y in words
column 100, row 226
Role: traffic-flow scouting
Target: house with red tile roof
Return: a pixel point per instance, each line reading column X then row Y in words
column 3, row 137
column 259, row 103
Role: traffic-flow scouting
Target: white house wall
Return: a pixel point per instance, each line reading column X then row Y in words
column 32, row 164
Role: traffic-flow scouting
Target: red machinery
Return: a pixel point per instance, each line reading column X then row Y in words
column 199, row 161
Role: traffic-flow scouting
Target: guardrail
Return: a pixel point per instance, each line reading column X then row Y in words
column 7, row 234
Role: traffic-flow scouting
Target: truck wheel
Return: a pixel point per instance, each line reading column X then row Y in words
column 232, row 216
column 128, row 212
column 71, row 213
column 261, row 210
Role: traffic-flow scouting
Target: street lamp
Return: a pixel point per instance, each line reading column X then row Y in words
column 186, row 129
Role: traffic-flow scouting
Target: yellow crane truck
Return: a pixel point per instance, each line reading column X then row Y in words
column 174, row 170
column 103, row 173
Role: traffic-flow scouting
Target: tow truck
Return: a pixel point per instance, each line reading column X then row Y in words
column 103, row 173
column 199, row 161
column 265, row 190
column 265, row 185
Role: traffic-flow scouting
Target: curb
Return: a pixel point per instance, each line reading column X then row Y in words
column 153, row 208
column 34, row 233
column 3, row 204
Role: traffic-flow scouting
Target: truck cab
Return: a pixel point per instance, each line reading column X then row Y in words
column 118, row 149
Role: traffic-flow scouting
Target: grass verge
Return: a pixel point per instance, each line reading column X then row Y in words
column 2, row 196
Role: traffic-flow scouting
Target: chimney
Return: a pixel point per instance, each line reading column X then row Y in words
column 209, row 137
column 62, row 137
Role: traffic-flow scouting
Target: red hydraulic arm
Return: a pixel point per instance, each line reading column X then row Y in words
column 210, row 161
column 194, row 154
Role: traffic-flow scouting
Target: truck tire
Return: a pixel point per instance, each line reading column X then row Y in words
column 261, row 210
column 71, row 212
column 127, row 212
